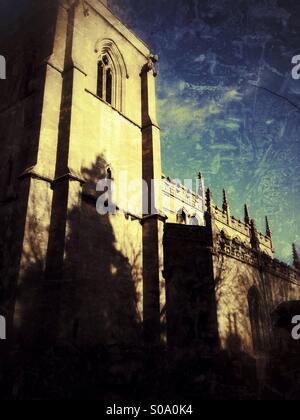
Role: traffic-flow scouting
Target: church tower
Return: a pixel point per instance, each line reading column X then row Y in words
column 90, row 115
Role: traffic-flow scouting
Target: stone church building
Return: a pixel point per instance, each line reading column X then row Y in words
column 78, row 106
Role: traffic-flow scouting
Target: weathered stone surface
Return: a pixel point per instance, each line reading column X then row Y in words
column 74, row 283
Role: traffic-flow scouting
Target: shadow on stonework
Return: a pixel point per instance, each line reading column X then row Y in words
column 77, row 325
column 284, row 369
column 237, row 372
column 202, row 366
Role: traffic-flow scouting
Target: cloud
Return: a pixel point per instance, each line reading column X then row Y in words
column 241, row 137
column 178, row 108
column 218, row 135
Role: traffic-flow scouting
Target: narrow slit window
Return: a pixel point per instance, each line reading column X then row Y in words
column 109, row 81
column 105, row 80
column 109, row 173
column 181, row 217
column 100, row 80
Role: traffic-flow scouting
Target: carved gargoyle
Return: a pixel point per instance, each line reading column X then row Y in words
column 151, row 64
column 68, row 4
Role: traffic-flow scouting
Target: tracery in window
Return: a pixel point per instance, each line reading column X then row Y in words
column 112, row 74
column 105, row 79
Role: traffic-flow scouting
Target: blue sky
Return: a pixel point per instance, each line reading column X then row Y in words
column 227, row 101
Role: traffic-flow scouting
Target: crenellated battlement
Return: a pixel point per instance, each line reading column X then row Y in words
column 233, row 248
column 235, row 229
column 182, row 193
column 284, row 270
column 233, row 237
column 179, row 200
column 234, row 223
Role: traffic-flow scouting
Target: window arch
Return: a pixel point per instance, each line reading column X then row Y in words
column 182, row 217
column 111, row 74
column 109, row 173
column 105, row 79
column 194, row 221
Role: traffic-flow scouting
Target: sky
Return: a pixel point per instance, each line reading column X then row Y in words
column 227, row 102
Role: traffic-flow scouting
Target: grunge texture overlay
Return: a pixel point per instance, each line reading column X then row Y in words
column 228, row 105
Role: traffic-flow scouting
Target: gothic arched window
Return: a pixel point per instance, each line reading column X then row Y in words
column 112, row 73
column 105, row 79
column 181, row 217
column 194, row 221
column 109, row 174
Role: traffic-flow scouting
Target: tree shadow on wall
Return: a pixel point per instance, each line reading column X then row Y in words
column 266, row 375
column 242, row 373
column 77, row 322
column 237, row 371
column 200, row 367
